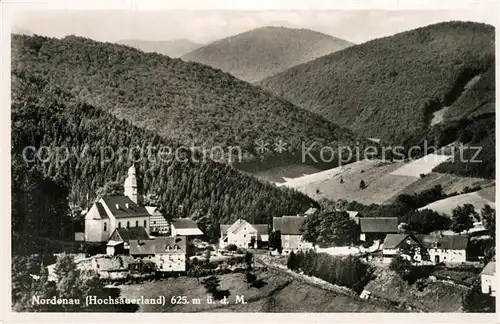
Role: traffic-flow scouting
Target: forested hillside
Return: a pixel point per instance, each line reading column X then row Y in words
column 189, row 103
column 172, row 48
column 388, row 88
column 44, row 115
column 262, row 52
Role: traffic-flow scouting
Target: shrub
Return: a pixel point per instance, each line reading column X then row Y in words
column 231, row 247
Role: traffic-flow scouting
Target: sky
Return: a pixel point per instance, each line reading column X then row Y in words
column 206, row 26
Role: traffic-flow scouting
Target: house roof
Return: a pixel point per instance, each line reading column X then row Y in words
column 183, row 223
column 393, row 240
column 378, row 224
column 291, row 225
column 310, row 211
column 152, row 210
column 158, row 245
column 489, row 269
column 277, row 223
column 123, row 206
column 132, row 233
column 262, row 229
column 447, row 242
column 224, row 228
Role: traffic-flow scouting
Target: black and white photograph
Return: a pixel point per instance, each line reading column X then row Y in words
column 252, row 161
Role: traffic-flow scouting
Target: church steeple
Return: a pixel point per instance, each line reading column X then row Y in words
column 130, row 186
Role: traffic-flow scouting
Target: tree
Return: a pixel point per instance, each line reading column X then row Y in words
column 211, row 284
column 208, row 253
column 489, row 220
column 109, row 189
column 330, row 228
column 362, row 185
column 248, row 259
column 250, row 278
column 292, row 261
column 462, row 218
column 195, row 270
column 275, row 241
column 400, row 265
column 474, row 301
column 425, row 221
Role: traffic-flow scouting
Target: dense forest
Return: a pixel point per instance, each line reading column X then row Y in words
column 265, row 51
column 189, row 103
column 388, row 88
column 46, row 116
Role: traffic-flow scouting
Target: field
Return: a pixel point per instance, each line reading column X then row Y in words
column 477, row 199
column 280, row 294
column 384, row 180
column 381, row 185
column 423, row 165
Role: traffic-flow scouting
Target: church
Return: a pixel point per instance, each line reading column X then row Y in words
column 110, row 213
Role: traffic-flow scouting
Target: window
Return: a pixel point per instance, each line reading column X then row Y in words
column 105, row 226
column 128, row 224
column 136, row 223
column 154, row 222
column 145, row 223
column 119, row 224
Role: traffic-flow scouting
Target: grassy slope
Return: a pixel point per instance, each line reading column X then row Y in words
column 436, row 297
column 262, row 52
column 187, row 102
column 388, row 88
column 281, row 294
column 477, row 199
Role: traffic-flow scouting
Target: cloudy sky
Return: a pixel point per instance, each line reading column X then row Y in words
column 206, row 26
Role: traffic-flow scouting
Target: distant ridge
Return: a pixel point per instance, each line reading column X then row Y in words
column 388, row 88
column 265, row 51
column 172, row 48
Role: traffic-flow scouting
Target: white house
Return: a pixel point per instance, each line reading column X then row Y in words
column 243, row 234
column 291, row 236
column 157, row 222
column 448, row 249
column 110, row 213
column 184, row 227
column 168, row 253
column 489, row 279
column 400, row 244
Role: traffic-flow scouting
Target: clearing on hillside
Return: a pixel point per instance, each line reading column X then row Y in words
column 478, row 199
column 423, row 165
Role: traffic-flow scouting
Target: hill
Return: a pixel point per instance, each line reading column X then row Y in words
column 82, row 148
column 388, row 88
column 478, row 199
column 172, row 48
column 262, row 52
column 189, row 103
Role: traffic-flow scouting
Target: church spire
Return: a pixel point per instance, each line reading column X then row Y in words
column 130, row 186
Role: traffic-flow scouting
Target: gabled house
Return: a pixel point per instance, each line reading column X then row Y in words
column 184, row 227
column 157, row 222
column 110, row 213
column 122, row 236
column 430, row 249
column 291, row 236
column 489, row 279
column 446, row 248
column 167, row 252
column 406, row 245
column 376, row 228
column 243, row 234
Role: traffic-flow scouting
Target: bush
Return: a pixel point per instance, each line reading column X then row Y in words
column 422, row 175
column 231, row 247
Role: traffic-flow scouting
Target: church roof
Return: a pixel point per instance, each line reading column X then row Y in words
column 123, row 207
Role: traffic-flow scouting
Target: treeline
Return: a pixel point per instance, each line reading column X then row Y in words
column 188, row 102
column 347, row 271
column 43, row 115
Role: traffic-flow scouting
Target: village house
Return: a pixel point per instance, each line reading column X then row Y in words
column 243, row 234
column 427, row 249
column 291, row 236
column 448, row 249
column 119, row 241
column 489, row 279
column 406, row 245
column 157, row 222
column 184, row 227
column 110, row 213
column 376, row 228
column 167, row 253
